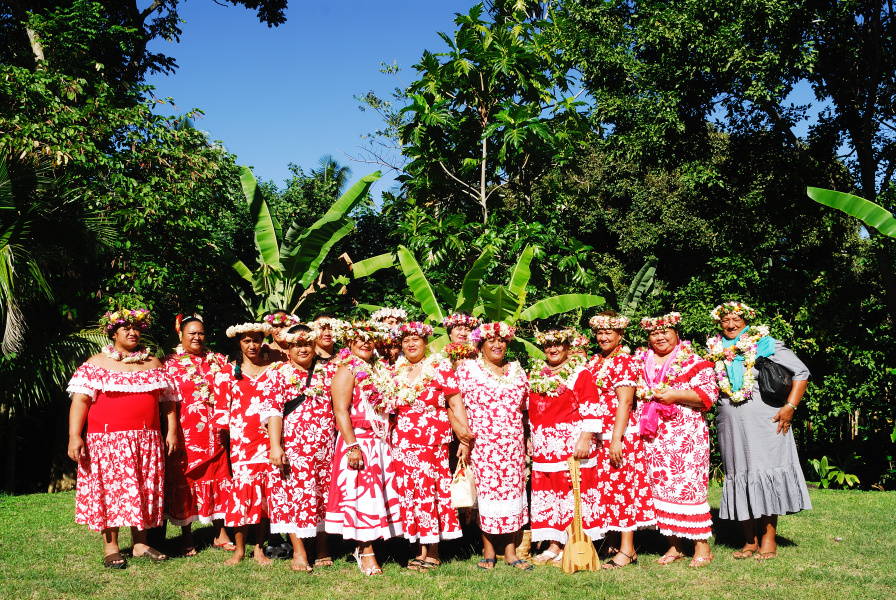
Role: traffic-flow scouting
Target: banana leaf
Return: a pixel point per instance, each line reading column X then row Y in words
column 445, row 294
column 267, row 230
column 559, row 304
column 868, row 212
column 440, row 342
column 519, row 277
column 419, row 285
column 238, row 265
column 498, row 303
column 531, row 349
column 469, row 289
column 369, row 266
column 642, row 285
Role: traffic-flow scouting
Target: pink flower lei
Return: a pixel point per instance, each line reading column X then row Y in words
column 460, row 350
column 645, row 390
column 203, row 391
column 281, row 320
column 492, row 330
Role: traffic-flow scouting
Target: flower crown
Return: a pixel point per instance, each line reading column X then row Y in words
column 300, row 336
column 384, row 313
column 664, row 322
column 413, row 328
column 328, row 323
column 581, row 341
column 179, row 319
column 139, row 318
column 492, row 330
column 366, row 330
column 459, row 319
column 554, row 336
column 281, row 320
column 235, row 330
column 607, row 322
column 732, row 308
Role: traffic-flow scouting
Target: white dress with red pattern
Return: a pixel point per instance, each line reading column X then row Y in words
column 197, row 477
column 250, row 403
column 627, row 503
column 121, row 480
column 678, row 454
column 364, row 505
column 420, row 450
column 555, row 424
column 494, row 409
column 298, row 504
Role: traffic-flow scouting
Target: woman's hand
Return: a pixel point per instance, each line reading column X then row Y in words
column 355, row 459
column 783, row 419
column 277, row 456
column 466, row 437
column 171, row 442
column 666, row 396
column 463, row 452
column 616, row 453
column 76, row 448
column 583, row 445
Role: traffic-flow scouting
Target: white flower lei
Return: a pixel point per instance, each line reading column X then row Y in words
column 291, row 374
column 746, row 345
column 235, row 330
column 514, row 376
column 129, row 358
column 203, row 391
column 544, row 381
column 398, row 390
column 605, row 363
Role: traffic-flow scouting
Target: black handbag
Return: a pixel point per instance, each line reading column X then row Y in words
column 775, row 382
column 296, row 402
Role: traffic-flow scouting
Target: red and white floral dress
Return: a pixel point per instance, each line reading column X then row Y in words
column 494, row 409
column 298, row 504
column 249, row 404
column 556, row 403
column 197, row 477
column 121, row 480
column 420, row 449
column 364, row 505
column 627, row 503
column 678, row 453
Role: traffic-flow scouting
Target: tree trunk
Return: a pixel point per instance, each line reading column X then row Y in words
column 10, row 433
column 37, row 49
column 482, row 195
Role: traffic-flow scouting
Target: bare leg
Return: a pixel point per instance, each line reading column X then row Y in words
column 488, row 551
column 431, row 553
column 768, row 526
column 626, row 552
column 675, row 548
column 258, row 554
column 368, row 559
column 240, row 535
column 140, row 546
column 510, row 556
column 299, row 560
column 221, row 537
column 323, row 551
column 110, row 542
column 751, row 544
column 186, row 541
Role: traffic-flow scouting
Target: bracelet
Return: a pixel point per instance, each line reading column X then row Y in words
column 793, row 406
column 354, row 446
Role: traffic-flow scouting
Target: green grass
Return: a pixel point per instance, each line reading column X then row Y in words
column 44, row 555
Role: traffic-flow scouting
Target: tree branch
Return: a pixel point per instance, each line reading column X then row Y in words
column 469, row 189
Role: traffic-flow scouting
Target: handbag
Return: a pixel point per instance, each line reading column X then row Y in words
column 775, row 382
column 463, row 486
column 296, row 402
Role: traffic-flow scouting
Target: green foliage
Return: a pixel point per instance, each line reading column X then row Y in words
column 869, row 213
column 830, row 475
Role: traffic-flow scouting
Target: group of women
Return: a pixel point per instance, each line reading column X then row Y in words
column 294, row 438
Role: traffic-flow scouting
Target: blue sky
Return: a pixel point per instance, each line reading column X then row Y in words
column 285, row 94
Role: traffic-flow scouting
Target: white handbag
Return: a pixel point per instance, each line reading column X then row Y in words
column 463, row 486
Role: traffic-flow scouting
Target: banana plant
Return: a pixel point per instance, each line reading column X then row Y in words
column 867, row 212
column 288, row 264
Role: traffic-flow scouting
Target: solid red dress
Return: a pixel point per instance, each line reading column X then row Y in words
column 298, row 504
column 120, row 481
column 250, row 403
column 420, row 450
column 627, row 503
column 197, row 479
column 555, row 426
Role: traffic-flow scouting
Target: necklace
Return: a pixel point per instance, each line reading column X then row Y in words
column 551, row 381
column 398, row 390
column 600, row 365
column 129, row 358
column 649, row 384
column 747, row 346
column 508, row 377
column 203, row 391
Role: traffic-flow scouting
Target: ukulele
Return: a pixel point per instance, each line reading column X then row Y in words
column 579, row 554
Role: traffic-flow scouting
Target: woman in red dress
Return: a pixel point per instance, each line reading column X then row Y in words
column 197, row 479
column 363, row 504
column 253, row 393
column 298, row 501
column 121, row 459
column 627, row 503
column 423, row 392
column 675, row 389
column 561, row 391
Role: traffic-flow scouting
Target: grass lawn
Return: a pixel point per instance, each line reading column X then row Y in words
column 844, row 548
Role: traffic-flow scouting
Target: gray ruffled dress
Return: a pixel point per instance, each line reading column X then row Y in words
column 762, row 470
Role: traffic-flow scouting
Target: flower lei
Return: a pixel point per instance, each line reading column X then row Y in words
column 492, row 330
column 664, row 322
column 554, row 336
column 235, row 330
column 746, row 346
column 459, row 319
column 607, row 322
column 203, row 391
column 139, row 318
column 412, row 328
column 600, row 366
column 129, row 358
column 644, row 392
column 296, row 377
column 512, row 378
column 581, row 341
column 460, row 350
column 397, row 390
column 300, row 336
column 364, row 381
column 281, row 320
column 732, row 308
column 544, row 381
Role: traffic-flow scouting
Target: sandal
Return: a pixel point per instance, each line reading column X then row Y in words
column 187, row 551
column 697, row 563
column 326, row 561
column 546, row 557
column 114, row 561
column 369, row 570
column 668, row 559
column 612, row 564
column 766, row 555
column 520, row 565
column 428, row 565
column 300, row 567
column 487, row 561
column 153, row 555
column 416, row 565
column 744, row 553
column 228, row 546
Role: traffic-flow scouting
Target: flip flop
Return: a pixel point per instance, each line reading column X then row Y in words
column 187, row 551
column 428, row 565
column 300, row 567
column 415, row 565
column 520, row 565
column 326, row 561
column 697, row 563
column 114, row 561
column 766, row 555
column 153, row 555
column 745, row 553
column 668, row 559
column 227, row 546
column 487, row 561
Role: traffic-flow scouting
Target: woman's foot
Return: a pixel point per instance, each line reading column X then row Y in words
column 144, row 551
column 746, row 552
column 300, row 566
column 114, row 561
column 323, row 561
column 701, row 561
column 259, row 556
column 551, row 555
column 367, row 563
column 237, row 557
column 670, row 557
column 766, row 555
column 621, row 560
column 486, row 564
column 187, row 551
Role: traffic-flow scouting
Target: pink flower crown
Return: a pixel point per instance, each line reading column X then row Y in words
column 459, row 319
column 492, row 330
column 581, row 341
column 598, row 322
column 281, row 320
column 732, row 308
column 139, row 318
column 666, row 321
column 413, row 328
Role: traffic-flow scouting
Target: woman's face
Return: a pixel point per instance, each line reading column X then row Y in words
column 663, row 341
column 302, row 353
column 126, row 337
column 391, row 321
column 192, row 337
column 277, row 331
column 250, row 344
column 608, row 339
column 324, row 336
column 494, row 349
column 732, row 325
column 414, row 348
column 363, row 349
column 459, row 333
column 556, row 353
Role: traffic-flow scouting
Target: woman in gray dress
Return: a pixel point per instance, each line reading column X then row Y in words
column 763, row 478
